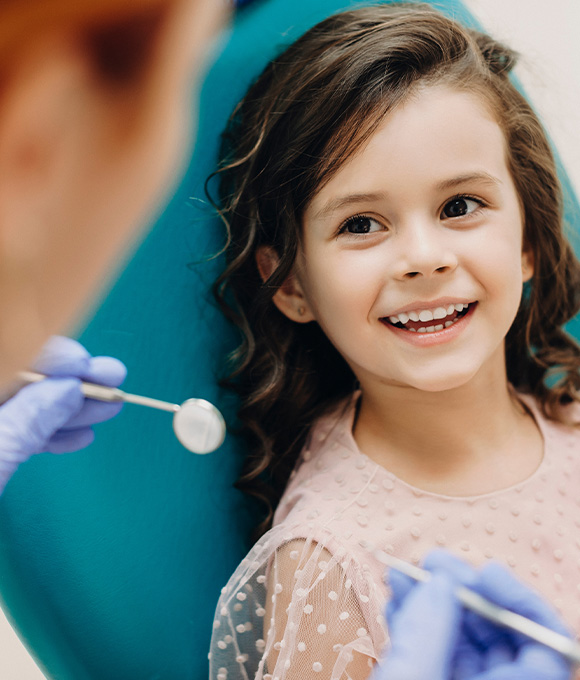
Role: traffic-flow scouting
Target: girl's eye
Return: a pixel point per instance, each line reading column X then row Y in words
column 460, row 206
column 360, row 224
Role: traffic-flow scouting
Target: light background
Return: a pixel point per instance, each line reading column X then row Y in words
column 547, row 35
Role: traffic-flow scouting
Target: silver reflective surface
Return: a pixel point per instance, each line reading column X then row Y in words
column 199, row 426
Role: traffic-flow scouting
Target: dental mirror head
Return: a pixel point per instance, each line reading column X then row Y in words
column 199, row 426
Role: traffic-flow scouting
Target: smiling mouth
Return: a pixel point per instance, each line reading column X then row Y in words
column 429, row 320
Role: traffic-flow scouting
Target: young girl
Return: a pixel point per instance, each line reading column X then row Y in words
column 398, row 268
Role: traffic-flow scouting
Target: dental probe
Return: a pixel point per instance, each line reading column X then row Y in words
column 198, row 425
column 567, row 647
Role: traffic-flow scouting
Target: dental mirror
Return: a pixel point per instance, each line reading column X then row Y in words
column 198, row 425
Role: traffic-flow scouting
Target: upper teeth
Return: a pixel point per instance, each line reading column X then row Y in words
column 428, row 314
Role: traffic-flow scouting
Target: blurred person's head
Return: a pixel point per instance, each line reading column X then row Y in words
column 95, row 99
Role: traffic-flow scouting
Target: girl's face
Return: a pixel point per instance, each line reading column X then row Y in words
column 412, row 259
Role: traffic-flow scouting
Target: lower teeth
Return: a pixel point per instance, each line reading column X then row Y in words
column 432, row 329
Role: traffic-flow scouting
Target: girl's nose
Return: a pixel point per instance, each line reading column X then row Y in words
column 424, row 251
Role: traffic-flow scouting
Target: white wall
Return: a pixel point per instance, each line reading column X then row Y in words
column 547, row 34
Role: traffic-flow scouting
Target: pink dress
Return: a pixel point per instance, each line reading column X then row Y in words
column 308, row 600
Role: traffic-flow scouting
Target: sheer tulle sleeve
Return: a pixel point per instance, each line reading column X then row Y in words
column 299, row 606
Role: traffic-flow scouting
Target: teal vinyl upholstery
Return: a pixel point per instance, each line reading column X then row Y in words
column 111, row 559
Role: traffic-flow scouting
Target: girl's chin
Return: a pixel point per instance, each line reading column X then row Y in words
column 436, row 376
column 442, row 383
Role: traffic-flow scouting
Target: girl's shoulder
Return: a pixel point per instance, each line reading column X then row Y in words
column 300, row 584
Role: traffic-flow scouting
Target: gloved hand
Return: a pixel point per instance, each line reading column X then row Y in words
column 433, row 637
column 53, row 415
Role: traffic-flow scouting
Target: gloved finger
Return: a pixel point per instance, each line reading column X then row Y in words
column 62, row 356
column 94, row 412
column 482, row 645
column 498, row 585
column 501, row 652
column 483, row 633
column 542, row 663
column 440, row 559
column 400, row 586
column 543, row 669
column 105, row 371
column 468, row 661
column 435, row 559
column 66, row 441
column 472, row 662
column 412, row 629
column 30, row 418
column 533, row 660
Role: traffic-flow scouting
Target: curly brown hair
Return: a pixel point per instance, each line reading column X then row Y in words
column 308, row 112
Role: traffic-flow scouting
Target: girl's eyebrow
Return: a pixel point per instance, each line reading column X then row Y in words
column 342, row 201
column 481, row 177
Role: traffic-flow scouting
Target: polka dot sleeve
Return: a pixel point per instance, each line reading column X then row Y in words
column 297, row 607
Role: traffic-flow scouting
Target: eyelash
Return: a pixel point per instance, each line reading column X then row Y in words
column 353, row 218
column 467, row 197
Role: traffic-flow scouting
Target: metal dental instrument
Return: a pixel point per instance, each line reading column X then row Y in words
column 197, row 424
column 568, row 648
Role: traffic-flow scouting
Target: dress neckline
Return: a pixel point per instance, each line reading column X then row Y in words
column 344, row 437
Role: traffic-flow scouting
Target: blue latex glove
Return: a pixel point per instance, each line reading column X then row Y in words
column 433, row 637
column 53, row 415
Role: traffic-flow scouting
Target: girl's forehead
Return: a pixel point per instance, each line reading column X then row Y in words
column 437, row 134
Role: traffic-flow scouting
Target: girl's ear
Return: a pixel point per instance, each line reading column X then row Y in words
column 289, row 298
column 527, row 264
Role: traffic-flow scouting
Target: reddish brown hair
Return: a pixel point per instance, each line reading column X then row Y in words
column 118, row 35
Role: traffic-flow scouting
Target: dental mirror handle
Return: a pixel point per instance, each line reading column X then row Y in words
column 103, row 393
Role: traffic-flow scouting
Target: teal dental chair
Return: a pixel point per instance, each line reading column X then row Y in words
column 112, row 559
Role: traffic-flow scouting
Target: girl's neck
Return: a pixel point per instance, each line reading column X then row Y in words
column 467, row 441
